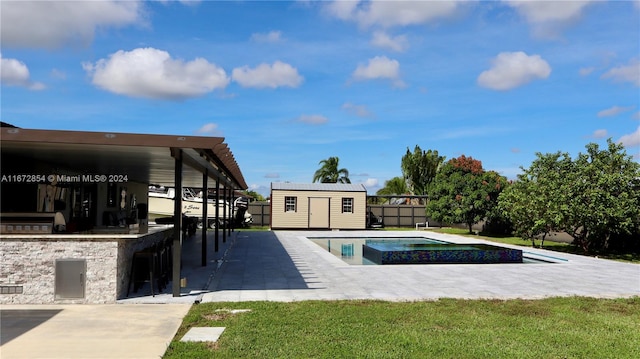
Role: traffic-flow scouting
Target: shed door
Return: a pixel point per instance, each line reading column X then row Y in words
column 319, row 213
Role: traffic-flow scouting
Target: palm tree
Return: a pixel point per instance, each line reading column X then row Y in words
column 396, row 185
column 329, row 172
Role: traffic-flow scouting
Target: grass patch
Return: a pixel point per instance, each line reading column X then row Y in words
column 253, row 228
column 397, row 229
column 572, row 327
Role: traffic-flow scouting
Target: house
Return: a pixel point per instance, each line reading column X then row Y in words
column 318, row 206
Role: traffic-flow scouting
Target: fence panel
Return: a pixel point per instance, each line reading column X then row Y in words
column 401, row 215
column 261, row 212
column 392, row 215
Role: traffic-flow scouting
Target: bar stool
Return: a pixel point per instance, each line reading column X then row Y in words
column 145, row 261
column 164, row 262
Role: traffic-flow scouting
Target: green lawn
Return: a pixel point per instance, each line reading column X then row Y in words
column 549, row 328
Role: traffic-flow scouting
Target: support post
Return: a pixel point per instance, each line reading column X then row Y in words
column 177, row 225
column 224, row 214
column 232, row 227
column 217, row 207
column 205, row 215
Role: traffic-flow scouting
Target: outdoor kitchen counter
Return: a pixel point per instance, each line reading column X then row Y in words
column 28, row 271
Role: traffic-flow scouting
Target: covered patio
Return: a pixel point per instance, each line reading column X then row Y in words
column 89, row 177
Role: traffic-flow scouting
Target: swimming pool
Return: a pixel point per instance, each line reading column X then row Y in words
column 416, row 250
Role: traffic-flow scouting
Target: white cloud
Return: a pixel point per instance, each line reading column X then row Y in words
column 277, row 75
column 545, row 11
column 625, row 73
column 272, row 175
column 632, row 139
column 312, row 119
column 514, row 69
column 614, row 111
column 392, row 13
column 600, row 133
column 152, row 73
column 343, row 10
column 15, row 73
column 548, row 18
column 357, row 110
column 51, row 24
column 208, row 129
column 382, row 39
column 379, row 67
column 370, row 183
column 636, row 115
column 270, row 37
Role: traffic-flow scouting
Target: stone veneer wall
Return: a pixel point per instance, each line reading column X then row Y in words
column 27, row 266
column 126, row 248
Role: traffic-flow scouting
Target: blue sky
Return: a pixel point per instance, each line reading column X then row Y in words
column 290, row 83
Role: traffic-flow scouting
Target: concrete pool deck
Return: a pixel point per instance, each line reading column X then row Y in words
column 286, row 266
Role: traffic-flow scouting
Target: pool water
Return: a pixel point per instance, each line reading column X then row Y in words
column 416, row 250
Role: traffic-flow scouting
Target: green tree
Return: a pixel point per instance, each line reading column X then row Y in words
column 602, row 196
column 419, row 168
column 255, row 195
column 396, row 185
column 330, row 173
column 495, row 220
column 532, row 202
column 594, row 198
column 463, row 192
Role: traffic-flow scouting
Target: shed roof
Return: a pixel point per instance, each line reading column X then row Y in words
column 336, row 187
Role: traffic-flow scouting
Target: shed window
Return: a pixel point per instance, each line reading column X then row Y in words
column 290, row 204
column 347, row 205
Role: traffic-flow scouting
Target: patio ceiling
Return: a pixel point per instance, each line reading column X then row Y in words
column 143, row 158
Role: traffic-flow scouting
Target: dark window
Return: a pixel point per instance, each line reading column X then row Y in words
column 347, row 205
column 290, row 204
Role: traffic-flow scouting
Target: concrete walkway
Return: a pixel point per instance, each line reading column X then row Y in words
column 286, row 266
column 89, row 331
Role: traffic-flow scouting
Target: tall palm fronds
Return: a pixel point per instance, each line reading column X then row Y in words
column 329, row 172
column 396, row 185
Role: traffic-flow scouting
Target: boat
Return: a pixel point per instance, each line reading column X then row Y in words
column 161, row 205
